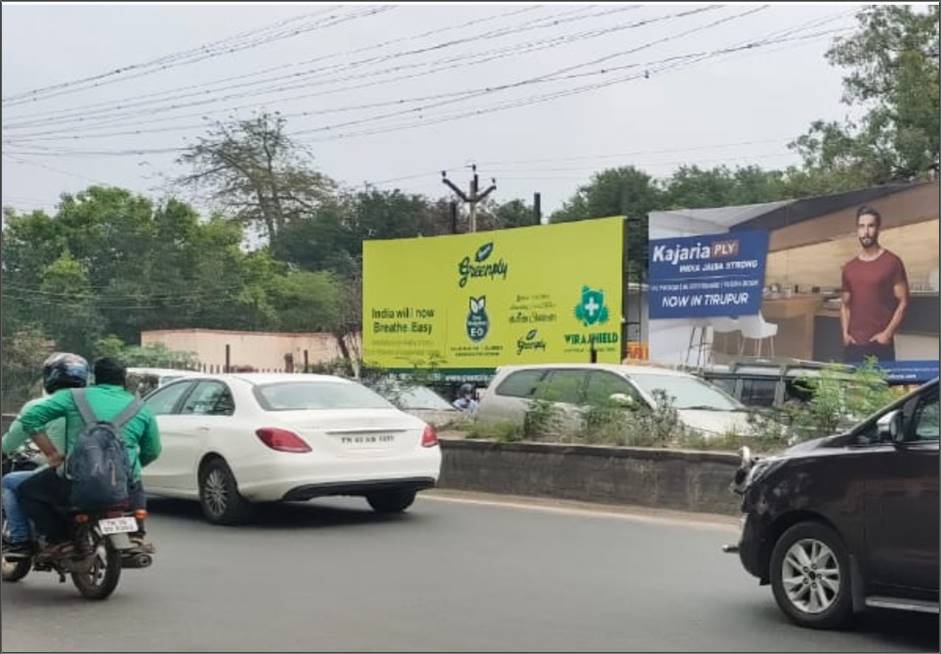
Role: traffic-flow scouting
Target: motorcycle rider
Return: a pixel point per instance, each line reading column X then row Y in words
column 465, row 400
column 43, row 493
column 59, row 370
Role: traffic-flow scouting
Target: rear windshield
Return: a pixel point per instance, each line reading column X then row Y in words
column 688, row 392
column 421, row 397
column 295, row 396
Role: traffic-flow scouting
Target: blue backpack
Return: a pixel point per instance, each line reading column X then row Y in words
column 98, row 465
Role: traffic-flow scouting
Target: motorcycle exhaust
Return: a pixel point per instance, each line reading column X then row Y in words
column 137, row 561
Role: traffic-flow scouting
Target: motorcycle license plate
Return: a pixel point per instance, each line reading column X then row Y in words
column 117, row 525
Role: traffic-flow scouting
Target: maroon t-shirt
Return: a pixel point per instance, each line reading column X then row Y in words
column 872, row 298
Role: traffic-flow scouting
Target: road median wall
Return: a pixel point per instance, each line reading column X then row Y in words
column 671, row 479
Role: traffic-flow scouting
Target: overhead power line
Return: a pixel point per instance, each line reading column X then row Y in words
column 547, row 77
column 456, row 96
column 188, row 57
column 107, row 111
column 678, row 60
column 678, row 63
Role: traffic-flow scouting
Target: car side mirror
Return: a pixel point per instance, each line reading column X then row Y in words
column 890, row 427
column 623, row 400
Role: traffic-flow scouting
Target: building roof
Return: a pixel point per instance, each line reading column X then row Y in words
column 772, row 215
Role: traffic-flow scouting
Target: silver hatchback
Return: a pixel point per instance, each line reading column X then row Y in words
column 701, row 406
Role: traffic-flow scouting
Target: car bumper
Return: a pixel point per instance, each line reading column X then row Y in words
column 310, row 491
column 749, row 547
column 293, row 476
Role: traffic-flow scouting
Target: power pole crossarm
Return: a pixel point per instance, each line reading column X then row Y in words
column 473, row 198
column 490, row 189
column 454, row 188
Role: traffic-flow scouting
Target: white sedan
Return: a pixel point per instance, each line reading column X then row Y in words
column 233, row 440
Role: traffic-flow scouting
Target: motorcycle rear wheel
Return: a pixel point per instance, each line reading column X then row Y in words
column 99, row 577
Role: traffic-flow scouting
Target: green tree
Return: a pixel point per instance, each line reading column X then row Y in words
column 693, row 187
column 256, row 173
column 66, row 304
column 114, row 258
column 152, row 355
column 625, row 191
column 512, row 213
column 892, row 60
column 321, row 239
column 21, row 358
column 306, row 301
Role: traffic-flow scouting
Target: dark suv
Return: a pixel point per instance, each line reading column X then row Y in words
column 850, row 521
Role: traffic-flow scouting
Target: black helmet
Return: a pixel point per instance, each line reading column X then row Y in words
column 64, row 370
column 467, row 389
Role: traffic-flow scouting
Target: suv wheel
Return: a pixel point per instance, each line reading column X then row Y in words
column 810, row 576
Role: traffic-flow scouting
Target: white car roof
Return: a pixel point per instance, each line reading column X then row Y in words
column 258, row 378
column 635, row 371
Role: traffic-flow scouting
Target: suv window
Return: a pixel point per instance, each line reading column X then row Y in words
column 521, row 383
column 563, row 386
column 797, row 390
column 925, row 422
column 602, row 385
column 211, row 398
column 163, row 401
column 727, row 384
column 758, row 392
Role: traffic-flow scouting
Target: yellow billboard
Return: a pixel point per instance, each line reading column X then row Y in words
column 471, row 302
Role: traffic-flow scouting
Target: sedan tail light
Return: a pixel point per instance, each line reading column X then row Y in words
column 282, row 440
column 429, row 438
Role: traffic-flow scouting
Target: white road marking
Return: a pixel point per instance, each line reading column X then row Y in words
column 584, row 509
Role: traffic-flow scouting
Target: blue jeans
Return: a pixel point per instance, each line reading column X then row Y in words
column 17, row 526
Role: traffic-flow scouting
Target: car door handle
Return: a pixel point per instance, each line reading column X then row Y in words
column 202, row 428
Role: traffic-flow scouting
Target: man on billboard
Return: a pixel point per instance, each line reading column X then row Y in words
column 875, row 295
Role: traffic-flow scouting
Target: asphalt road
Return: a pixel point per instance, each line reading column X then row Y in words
column 449, row 575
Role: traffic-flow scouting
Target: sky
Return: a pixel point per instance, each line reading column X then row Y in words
column 538, row 96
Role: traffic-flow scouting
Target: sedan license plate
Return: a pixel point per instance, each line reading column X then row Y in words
column 367, row 441
column 117, row 525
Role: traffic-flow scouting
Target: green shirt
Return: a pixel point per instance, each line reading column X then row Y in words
column 16, row 436
column 141, row 435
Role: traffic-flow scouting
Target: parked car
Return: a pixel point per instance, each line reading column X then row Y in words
column 422, row 402
column 142, row 381
column 234, row 440
column 766, row 383
column 700, row 405
column 849, row 521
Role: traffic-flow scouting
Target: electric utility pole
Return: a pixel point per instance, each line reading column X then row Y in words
column 473, row 197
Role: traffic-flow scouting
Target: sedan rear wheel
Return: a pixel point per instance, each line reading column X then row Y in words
column 391, row 501
column 219, row 495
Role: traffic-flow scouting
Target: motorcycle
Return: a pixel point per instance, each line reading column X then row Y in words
column 101, row 539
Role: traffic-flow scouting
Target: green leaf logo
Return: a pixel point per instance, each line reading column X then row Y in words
column 531, row 335
column 484, row 252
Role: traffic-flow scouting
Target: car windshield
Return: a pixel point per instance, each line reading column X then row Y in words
column 421, row 397
column 688, row 392
column 297, row 396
